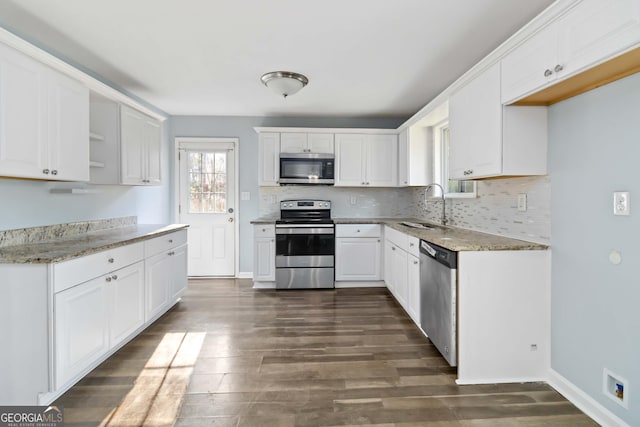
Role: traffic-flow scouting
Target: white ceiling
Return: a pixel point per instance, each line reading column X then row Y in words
column 364, row 58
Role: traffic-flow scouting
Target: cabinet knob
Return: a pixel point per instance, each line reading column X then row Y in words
column 558, row 68
column 110, row 260
column 170, row 240
column 264, row 230
column 171, row 253
column 547, row 72
column 108, row 279
column 357, row 231
column 54, row 172
column 411, row 245
column 45, row 171
column 364, row 183
column 415, row 262
column 393, row 248
column 114, row 277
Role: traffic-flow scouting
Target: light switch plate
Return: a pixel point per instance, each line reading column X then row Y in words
column 621, row 203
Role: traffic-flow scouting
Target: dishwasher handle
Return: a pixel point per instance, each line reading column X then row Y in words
column 438, row 253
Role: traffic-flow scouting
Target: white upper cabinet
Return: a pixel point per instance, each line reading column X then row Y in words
column 300, row 142
column 414, row 166
column 489, row 140
column 44, row 117
column 366, row 160
column 268, row 158
column 591, row 32
column 140, row 142
column 68, row 129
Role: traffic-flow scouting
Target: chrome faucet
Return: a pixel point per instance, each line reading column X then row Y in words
column 444, row 211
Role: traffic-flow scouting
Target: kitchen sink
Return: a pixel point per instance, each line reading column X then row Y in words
column 416, row 225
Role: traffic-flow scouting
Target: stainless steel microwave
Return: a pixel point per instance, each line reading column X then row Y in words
column 306, row 168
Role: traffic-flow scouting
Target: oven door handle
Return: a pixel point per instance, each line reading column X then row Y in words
column 305, row 230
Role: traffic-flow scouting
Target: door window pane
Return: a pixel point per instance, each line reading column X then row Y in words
column 207, row 181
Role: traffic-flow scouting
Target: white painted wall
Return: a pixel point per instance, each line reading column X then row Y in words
column 594, row 142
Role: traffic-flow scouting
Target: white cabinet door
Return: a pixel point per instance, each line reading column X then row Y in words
column 382, row 160
column 269, row 159
column 153, row 154
column 132, row 146
column 81, row 329
column 399, row 267
column 475, row 123
column 23, row 120
column 264, row 259
column 531, row 65
column 126, row 308
column 140, row 148
column 596, row 29
column 320, row 143
column 413, row 288
column 350, row 160
column 179, row 270
column 293, row 142
column 68, row 129
column 158, row 272
column 358, row 259
column 403, row 158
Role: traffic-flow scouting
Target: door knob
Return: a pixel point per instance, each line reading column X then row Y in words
column 230, row 220
column 230, row 210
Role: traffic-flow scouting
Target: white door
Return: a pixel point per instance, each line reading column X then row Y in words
column 207, row 204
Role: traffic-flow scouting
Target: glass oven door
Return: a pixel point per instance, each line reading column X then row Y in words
column 305, row 246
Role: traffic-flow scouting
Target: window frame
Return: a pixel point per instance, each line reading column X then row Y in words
column 441, row 163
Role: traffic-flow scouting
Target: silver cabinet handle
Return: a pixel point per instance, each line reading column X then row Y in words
column 114, row 277
column 110, row 260
column 558, row 68
column 108, row 279
column 54, row 172
column 547, row 72
column 45, row 171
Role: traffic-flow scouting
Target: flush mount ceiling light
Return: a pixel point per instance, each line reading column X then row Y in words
column 284, row 83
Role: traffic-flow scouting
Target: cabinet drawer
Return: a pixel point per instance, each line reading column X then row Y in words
column 70, row 273
column 165, row 242
column 396, row 237
column 358, row 230
column 264, row 230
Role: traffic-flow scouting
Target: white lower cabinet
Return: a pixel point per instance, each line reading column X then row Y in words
column 96, row 316
column 81, row 328
column 358, row 253
column 264, row 253
column 402, row 271
column 93, row 305
column 126, row 311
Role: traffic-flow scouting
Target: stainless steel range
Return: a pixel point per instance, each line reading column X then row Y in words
column 305, row 245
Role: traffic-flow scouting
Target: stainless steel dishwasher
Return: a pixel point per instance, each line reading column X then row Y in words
column 438, row 291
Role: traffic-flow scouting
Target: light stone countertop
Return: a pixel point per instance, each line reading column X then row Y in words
column 62, row 249
column 452, row 238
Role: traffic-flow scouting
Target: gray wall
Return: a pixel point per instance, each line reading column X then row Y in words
column 29, row 203
column 242, row 128
column 594, row 142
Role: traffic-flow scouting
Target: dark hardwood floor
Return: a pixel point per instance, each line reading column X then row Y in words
column 229, row 355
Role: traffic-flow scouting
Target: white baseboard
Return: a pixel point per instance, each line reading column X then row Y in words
column 584, row 402
column 475, row 381
column 245, row 275
column 379, row 284
column 264, row 285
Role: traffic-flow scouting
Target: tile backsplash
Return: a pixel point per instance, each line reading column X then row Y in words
column 494, row 211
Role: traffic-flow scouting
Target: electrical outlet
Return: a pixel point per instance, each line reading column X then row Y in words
column 522, row 202
column 353, row 200
column 621, row 203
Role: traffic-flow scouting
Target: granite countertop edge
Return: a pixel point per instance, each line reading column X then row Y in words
column 452, row 238
column 58, row 250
